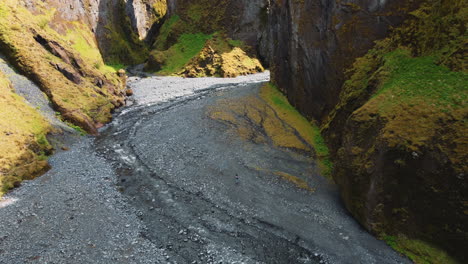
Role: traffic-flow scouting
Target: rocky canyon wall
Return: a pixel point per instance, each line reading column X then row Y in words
column 313, row 42
column 120, row 27
column 243, row 19
column 395, row 135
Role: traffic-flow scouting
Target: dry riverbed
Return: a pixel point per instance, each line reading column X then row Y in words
column 166, row 182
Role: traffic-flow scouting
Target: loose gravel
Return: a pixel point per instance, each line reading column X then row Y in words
column 155, row 90
column 73, row 214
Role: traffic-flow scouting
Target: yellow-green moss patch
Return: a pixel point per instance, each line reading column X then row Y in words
column 23, row 143
column 298, row 182
column 83, row 93
column 270, row 118
column 418, row 251
column 222, row 57
column 306, row 129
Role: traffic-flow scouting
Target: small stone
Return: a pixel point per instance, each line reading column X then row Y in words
column 129, row 92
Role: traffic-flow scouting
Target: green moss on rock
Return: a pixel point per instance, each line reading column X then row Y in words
column 398, row 135
column 78, row 86
column 193, row 42
column 179, row 54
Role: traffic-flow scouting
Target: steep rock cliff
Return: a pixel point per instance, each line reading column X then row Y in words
column 398, row 133
column 312, row 43
column 396, row 126
column 66, row 65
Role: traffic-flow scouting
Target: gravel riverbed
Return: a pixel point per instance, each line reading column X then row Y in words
column 164, row 183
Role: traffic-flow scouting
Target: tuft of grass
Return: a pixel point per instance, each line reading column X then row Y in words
column 420, row 77
column 77, row 129
column 418, row 251
column 309, row 131
column 41, row 139
column 166, row 29
column 236, row 43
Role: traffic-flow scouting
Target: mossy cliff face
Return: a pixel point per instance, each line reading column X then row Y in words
column 311, row 43
column 146, row 16
column 222, row 57
column 122, row 28
column 242, row 19
column 23, row 143
column 398, row 136
column 209, row 38
column 65, row 63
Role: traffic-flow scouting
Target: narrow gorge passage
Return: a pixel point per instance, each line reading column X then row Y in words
column 210, row 186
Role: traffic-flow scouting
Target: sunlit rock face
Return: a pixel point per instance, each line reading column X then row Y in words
column 117, row 25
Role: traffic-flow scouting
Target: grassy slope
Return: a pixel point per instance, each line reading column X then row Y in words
column 23, row 143
column 82, row 104
column 187, row 40
column 418, row 85
column 187, row 47
column 81, row 39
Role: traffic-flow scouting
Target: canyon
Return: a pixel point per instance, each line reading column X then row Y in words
column 380, row 93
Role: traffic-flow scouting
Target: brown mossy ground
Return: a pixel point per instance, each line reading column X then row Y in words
column 398, row 136
column 269, row 118
column 66, row 66
column 201, row 55
column 23, row 143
